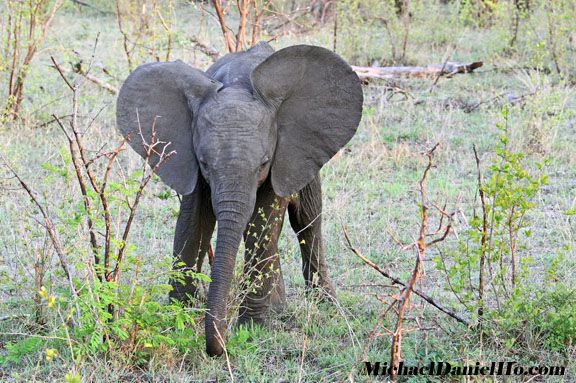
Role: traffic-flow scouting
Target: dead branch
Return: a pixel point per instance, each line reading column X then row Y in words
column 243, row 8
column 127, row 51
column 205, row 48
column 227, row 39
column 484, row 237
column 77, row 68
column 448, row 69
column 421, row 246
column 52, row 232
column 19, row 70
column 146, row 177
column 257, row 18
column 396, row 281
column 168, row 31
column 79, row 161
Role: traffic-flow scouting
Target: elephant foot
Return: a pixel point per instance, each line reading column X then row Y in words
column 257, row 309
column 188, row 293
column 248, row 316
column 278, row 297
column 323, row 293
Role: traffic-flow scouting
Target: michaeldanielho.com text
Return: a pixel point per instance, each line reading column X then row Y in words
column 444, row 368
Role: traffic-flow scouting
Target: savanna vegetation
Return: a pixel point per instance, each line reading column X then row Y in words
column 449, row 219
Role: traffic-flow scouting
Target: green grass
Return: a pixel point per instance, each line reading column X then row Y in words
column 371, row 188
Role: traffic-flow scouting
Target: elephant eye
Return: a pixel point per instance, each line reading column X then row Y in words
column 265, row 161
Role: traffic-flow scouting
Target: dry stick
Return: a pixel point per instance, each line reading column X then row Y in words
column 257, row 17
column 384, row 273
column 205, row 48
column 256, row 23
column 442, row 70
column 163, row 157
column 15, row 34
column 73, row 144
column 227, row 39
column 168, row 30
column 83, row 190
column 421, row 246
column 39, row 268
column 335, row 28
column 396, row 348
column 406, row 25
column 302, row 358
column 223, row 344
column 243, row 8
column 49, row 224
column 18, row 91
column 127, row 51
column 85, row 162
column 95, row 80
column 483, row 239
column 373, row 331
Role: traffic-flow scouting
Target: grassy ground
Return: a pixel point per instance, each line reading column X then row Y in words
column 371, row 188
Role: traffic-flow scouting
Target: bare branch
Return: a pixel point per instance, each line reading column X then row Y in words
column 384, row 273
column 227, row 39
column 52, row 232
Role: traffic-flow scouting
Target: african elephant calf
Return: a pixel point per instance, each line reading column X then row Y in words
column 250, row 134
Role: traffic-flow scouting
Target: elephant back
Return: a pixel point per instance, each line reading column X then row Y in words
column 234, row 69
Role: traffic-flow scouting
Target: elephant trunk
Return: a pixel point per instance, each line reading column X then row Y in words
column 233, row 210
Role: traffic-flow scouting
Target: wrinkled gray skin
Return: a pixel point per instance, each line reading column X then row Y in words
column 250, row 136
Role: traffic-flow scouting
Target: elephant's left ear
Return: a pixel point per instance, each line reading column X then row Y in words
column 319, row 106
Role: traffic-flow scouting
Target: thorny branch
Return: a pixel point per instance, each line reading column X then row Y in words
column 52, row 232
column 397, row 281
column 420, row 245
column 163, row 156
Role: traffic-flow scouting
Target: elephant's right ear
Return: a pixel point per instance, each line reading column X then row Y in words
column 165, row 95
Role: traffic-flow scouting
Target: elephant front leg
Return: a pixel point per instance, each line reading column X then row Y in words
column 192, row 240
column 305, row 212
column 263, row 284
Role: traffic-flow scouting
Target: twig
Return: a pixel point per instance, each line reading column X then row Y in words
column 205, row 48
column 77, row 68
column 227, row 39
column 484, row 237
column 421, row 246
column 223, row 344
column 59, row 69
column 163, row 157
column 243, row 7
column 52, row 232
column 399, row 282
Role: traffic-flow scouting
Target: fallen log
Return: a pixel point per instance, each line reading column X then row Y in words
column 447, row 69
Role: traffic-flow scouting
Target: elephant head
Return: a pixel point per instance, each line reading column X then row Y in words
column 280, row 114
